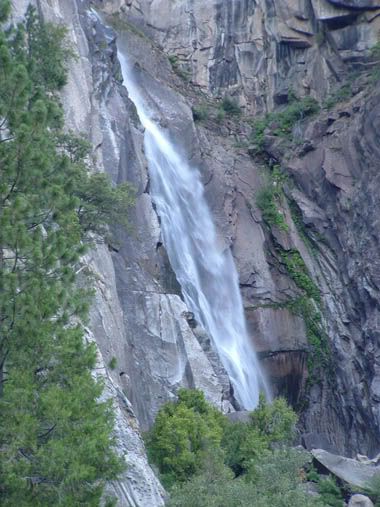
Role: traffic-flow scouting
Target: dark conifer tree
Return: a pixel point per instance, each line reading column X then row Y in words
column 56, row 445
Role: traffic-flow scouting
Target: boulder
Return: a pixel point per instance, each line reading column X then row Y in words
column 360, row 501
column 349, row 470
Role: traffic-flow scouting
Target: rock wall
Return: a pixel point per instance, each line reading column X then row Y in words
column 257, row 50
column 260, row 53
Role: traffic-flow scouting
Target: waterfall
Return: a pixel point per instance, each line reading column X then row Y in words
column 207, row 275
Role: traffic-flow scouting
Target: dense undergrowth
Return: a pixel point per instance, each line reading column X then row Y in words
column 56, row 444
column 205, row 460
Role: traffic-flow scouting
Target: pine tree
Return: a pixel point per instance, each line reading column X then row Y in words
column 56, row 445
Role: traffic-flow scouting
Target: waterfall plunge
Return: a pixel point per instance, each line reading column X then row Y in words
column 207, row 276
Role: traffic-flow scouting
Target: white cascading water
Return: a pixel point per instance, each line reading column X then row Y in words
column 207, row 275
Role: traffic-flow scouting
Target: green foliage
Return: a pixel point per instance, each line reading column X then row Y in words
column 48, row 52
column 246, row 443
column 181, row 434
column 243, row 444
column 278, row 480
column 102, row 204
column 5, row 10
column 330, row 492
column 373, row 489
column 284, row 121
column 274, row 421
column 99, row 202
column 56, row 441
column 200, row 113
column 178, row 68
column 300, row 226
column 342, row 94
column 275, row 482
column 307, row 306
column 258, row 133
column 319, row 355
column 299, row 273
column 113, row 363
column 230, row 107
column 220, row 115
column 268, row 200
column 375, row 53
column 173, row 59
column 312, row 475
column 208, row 461
column 281, row 123
column 188, row 432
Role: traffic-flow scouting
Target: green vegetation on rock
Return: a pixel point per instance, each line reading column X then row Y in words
column 330, row 492
column 56, row 443
column 230, row 106
column 319, row 354
column 281, row 123
column 340, row 95
column 200, row 113
column 331, row 495
column 178, row 68
column 268, row 200
column 299, row 273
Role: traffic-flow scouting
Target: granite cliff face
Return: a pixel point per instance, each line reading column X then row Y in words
column 259, row 53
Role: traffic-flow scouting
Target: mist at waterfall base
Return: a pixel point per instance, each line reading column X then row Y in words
column 207, row 276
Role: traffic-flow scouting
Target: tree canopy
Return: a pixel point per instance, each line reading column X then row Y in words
column 56, row 444
column 208, row 461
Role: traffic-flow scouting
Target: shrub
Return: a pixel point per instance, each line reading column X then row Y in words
column 243, row 445
column 330, row 492
column 189, row 432
column 275, row 482
column 375, row 53
column 220, row 115
column 342, row 94
column 200, row 113
column 267, row 200
column 113, row 363
column 281, row 123
column 230, row 106
column 178, row 68
column 373, row 489
column 274, row 421
column 181, row 434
